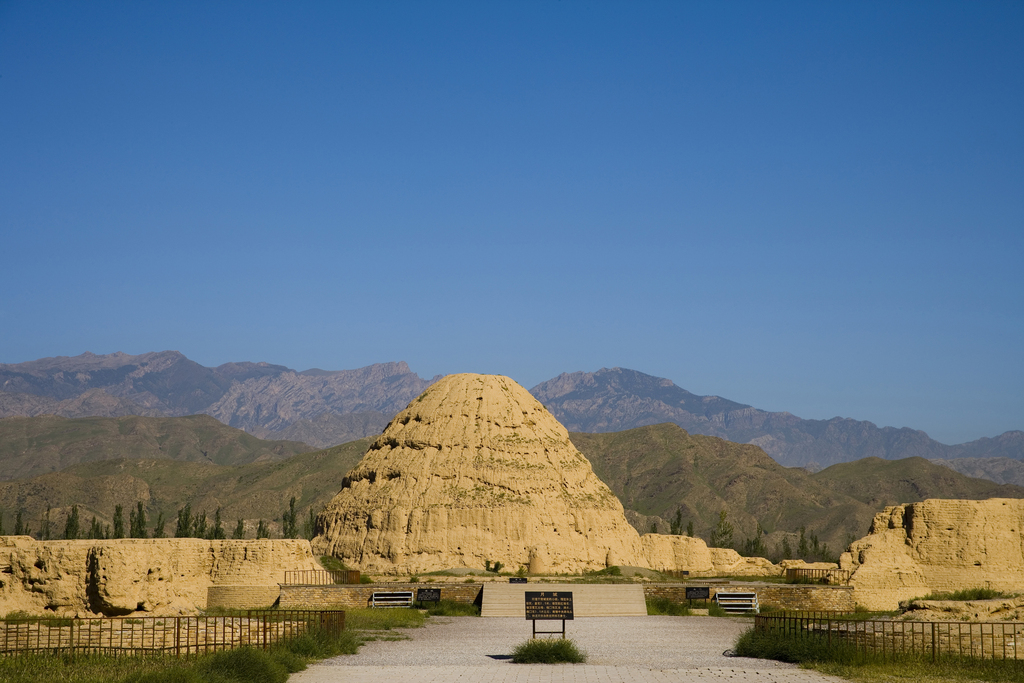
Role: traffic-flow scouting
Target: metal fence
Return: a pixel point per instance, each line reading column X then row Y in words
column 888, row 637
column 320, row 577
column 178, row 636
column 834, row 577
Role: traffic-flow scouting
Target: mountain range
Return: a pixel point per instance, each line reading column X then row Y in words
column 323, row 408
column 658, row 472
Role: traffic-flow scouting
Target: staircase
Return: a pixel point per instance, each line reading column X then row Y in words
column 589, row 600
column 737, row 602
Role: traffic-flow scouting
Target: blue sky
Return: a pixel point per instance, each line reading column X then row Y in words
column 812, row 207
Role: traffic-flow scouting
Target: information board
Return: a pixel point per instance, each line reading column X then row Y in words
column 517, row 579
column 548, row 605
column 698, row 592
column 428, row 595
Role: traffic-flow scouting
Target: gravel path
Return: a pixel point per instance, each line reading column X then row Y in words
column 634, row 649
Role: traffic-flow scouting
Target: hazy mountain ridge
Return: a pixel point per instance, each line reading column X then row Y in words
column 616, row 399
column 323, row 408
column 270, row 401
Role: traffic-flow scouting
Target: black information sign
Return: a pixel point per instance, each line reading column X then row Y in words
column 698, row 592
column 548, row 605
column 428, row 595
column 517, row 579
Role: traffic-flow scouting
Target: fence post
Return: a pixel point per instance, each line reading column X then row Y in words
column 934, row 653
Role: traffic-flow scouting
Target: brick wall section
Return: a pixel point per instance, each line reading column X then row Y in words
column 784, row 596
column 358, row 596
column 242, row 597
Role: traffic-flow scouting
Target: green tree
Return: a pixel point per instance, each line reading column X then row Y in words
column 118, row 521
column 158, row 530
column 676, row 525
column 801, row 549
column 654, row 527
column 44, row 525
column 261, row 530
column 721, row 535
column 96, row 529
column 137, row 521
column 185, row 522
column 217, row 531
column 239, row 529
column 755, row 547
column 20, row 529
column 309, row 528
column 689, row 529
column 289, row 522
column 200, row 530
column 71, row 524
column 787, row 550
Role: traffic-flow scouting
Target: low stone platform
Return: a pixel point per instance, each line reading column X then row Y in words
column 589, row 600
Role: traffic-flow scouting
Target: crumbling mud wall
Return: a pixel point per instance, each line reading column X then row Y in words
column 938, row 545
column 121, row 577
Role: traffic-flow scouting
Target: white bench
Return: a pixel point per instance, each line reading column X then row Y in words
column 737, row 602
column 391, row 599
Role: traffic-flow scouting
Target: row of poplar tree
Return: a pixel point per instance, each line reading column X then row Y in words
column 187, row 525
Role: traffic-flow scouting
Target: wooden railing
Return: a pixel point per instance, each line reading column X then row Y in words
column 888, row 638
column 163, row 635
column 834, row 577
column 320, row 577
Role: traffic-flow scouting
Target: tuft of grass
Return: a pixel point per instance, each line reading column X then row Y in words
column 450, row 608
column 846, row 661
column 665, row 606
column 544, row 651
column 968, row 594
column 332, row 564
column 363, row 578
column 716, row 610
column 383, row 619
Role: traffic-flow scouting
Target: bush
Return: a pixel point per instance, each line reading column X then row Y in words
column 716, row 610
column 967, row 594
column 246, row 665
column 450, row 608
column 553, row 651
column 319, row 644
column 782, row 648
column 667, row 607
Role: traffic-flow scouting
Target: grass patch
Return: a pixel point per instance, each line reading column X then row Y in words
column 968, row 594
column 450, row 608
column 383, row 619
column 243, row 665
column 548, row 651
column 664, row 606
column 332, row 564
column 846, row 661
column 716, row 610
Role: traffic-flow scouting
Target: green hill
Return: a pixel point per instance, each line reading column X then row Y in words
column 251, row 492
column 660, row 469
column 31, row 446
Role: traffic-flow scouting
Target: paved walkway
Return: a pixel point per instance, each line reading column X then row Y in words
column 620, row 650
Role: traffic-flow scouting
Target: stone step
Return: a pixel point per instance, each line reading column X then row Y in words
column 589, row 600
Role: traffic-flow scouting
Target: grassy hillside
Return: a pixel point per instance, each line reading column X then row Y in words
column 252, row 492
column 660, row 469
column 31, row 446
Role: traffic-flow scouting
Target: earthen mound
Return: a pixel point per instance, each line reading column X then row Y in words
column 475, row 470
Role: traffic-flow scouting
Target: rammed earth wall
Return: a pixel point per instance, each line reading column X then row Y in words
column 784, row 596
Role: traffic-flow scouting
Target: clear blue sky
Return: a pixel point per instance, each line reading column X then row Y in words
column 814, row 207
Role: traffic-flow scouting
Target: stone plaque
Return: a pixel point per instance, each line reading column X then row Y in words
column 698, row 592
column 548, row 605
column 428, row 595
column 517, row 579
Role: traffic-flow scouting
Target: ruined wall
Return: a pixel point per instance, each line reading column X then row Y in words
column 119, row 577
column 938, row 545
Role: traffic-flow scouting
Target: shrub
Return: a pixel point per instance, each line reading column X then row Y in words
column 247, row 665
column 667, row 607
column 450, row 608
column 716, row 610
column 553, row 651
column 967, row 594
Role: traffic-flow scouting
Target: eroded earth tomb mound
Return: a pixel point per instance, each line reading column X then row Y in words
column 475, row 470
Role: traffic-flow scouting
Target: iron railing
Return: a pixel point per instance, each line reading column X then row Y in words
column 178, row 636
column 889, row 638
column 835, row 577
column 320, row 577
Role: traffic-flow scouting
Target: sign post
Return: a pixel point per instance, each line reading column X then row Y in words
column 698, row 593
column 548, row 606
